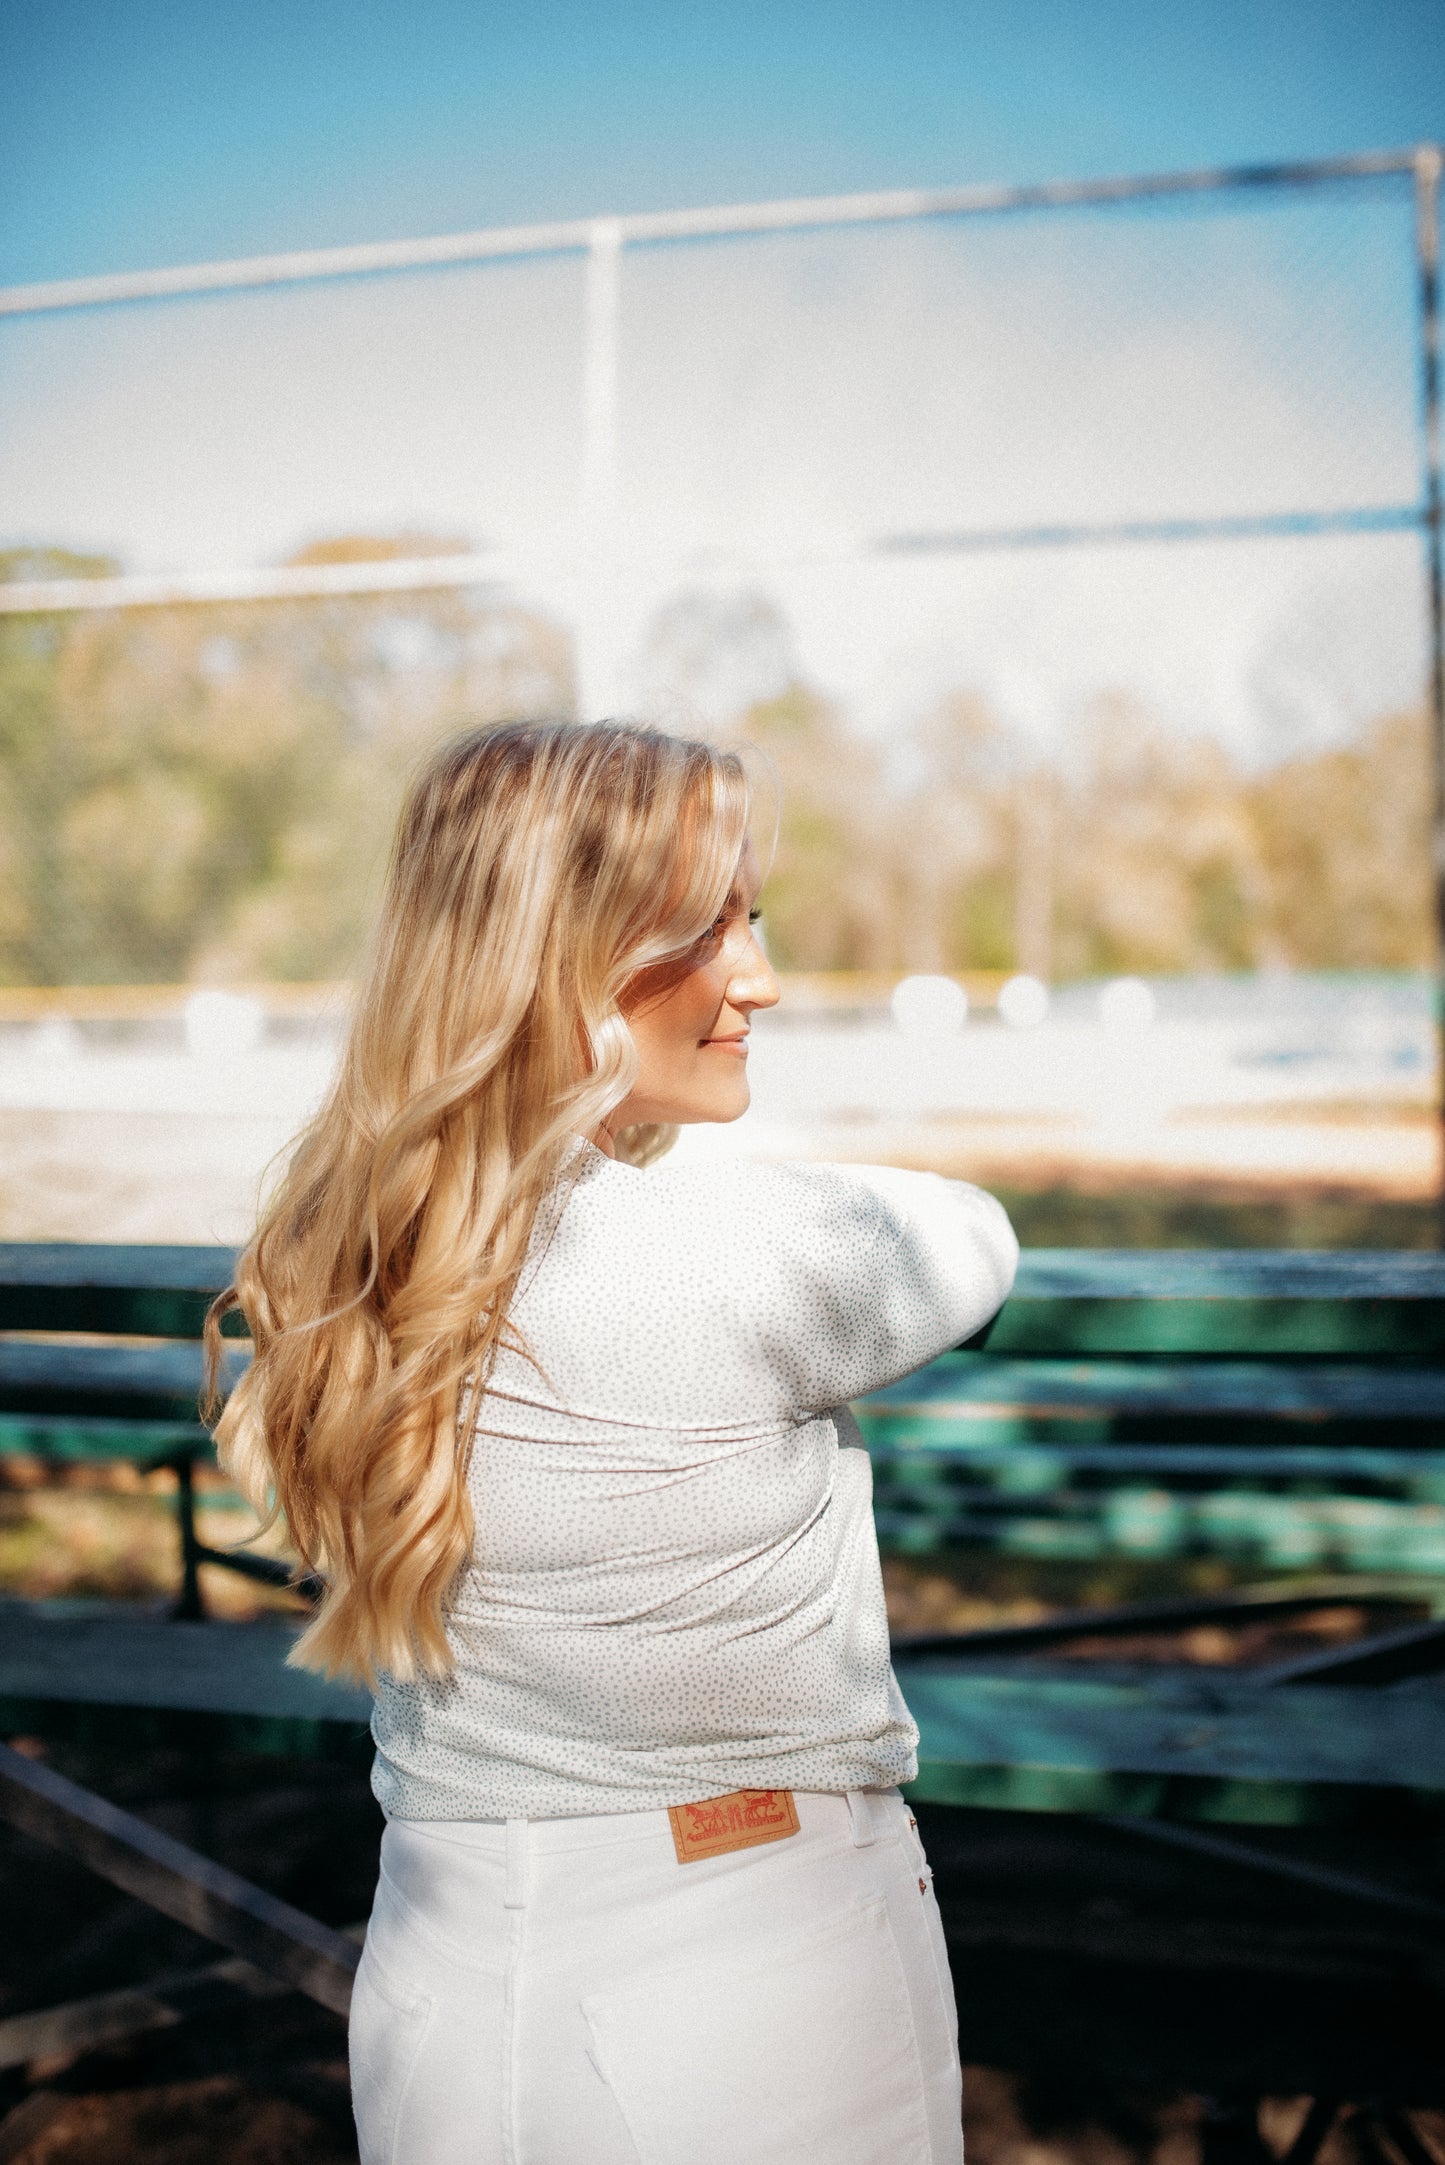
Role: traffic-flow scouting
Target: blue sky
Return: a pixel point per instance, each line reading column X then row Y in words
column 147, row 131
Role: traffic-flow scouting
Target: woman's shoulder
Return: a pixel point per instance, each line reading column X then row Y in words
column 787, row 1202
column 684, row 1184
column 823, row 1280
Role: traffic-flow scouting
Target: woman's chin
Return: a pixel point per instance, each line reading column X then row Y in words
column 740, row 1100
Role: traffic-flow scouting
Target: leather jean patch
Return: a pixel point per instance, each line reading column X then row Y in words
column 740, row 1820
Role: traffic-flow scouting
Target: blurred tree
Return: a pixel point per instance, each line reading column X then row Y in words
column 956, row 831
column 39, row 927
column 1157, row 859
column 708, row 657
column 837, row 890
column 209, row 790
column 1345, row 844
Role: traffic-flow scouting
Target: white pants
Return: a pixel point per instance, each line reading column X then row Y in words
column 564, row 1992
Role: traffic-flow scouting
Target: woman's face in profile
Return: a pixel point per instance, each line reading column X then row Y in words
column 690, row 1018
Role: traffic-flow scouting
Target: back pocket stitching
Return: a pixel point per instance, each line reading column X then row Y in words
column 740, row 1968
column 412, row 2007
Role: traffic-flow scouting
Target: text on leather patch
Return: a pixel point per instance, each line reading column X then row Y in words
column 740, row 1820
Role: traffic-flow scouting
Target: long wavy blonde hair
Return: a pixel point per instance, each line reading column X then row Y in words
column 537, row 869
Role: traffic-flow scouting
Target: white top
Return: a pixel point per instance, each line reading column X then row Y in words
column 675, row 1590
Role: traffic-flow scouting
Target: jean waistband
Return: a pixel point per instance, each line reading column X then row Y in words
column 819, row 1812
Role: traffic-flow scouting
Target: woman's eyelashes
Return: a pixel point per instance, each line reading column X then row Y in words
column 720, row 924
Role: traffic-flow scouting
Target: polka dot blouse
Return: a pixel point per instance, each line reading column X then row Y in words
column 675, row 1590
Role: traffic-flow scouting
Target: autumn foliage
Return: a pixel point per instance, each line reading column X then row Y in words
column 207, row 792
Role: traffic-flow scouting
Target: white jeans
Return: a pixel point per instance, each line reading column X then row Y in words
column 564, row 1992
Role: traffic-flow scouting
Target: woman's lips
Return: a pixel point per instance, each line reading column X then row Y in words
column 738, row 1046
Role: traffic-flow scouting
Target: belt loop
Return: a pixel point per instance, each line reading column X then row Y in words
column 515, row 1896
column 860, row 1811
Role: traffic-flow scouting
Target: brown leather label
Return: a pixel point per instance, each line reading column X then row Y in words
column 740, row 1820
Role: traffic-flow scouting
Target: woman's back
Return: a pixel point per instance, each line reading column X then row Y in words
column 566, row 1445
column 675, row 1588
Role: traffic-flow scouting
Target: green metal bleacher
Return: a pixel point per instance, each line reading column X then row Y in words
column 1282, row 1412
column 1278, row 1418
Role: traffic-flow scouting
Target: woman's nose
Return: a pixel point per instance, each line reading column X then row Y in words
column 754, row 982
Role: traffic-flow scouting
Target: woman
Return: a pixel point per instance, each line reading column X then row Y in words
column 567, row 1442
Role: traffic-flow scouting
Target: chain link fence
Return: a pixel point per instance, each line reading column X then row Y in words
column 1025, row 507
column 1074, row 551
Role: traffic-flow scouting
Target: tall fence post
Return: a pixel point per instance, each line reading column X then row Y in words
column 596, row 627
column 599, row 375
column 1428, row 161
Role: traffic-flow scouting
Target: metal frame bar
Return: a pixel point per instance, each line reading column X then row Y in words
column 491, row 568
column 189, row 1608
column 733, row 221
column 190, row 1604
column 178, row 1881
column 1317, row 2122
column 1386, row 1657
column 1399, row 2125
column 110, row 2018
column 285, row 582
column 1323, row 1879
column 603, row 241
column 1427, row 166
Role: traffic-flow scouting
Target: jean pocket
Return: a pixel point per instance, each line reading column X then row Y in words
column 387, row 2026
column 801, row 2054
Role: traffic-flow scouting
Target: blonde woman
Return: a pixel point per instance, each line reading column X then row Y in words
column 567, row 1442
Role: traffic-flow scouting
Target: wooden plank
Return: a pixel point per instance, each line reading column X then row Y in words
column 961, row 1386
column 151, row 1291
column 73, row 1439
column 1203, row 1725
column 990, row 1424
column 1293, row 1326
column 162, row 1381
column 114, row 1265
column 1199, row 1724
column 1152, row 1535
column 1065, row 1300
column 1264, row 1531
column 1044, row 1273
column 115, row 1659
column 1335, row 1274
column 159, row 1382
column 958, row 1449
column 178, row 1881
column 1078, row 1301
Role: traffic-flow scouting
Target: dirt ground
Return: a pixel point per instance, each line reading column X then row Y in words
column 299, row 2116
column 279, row 2097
